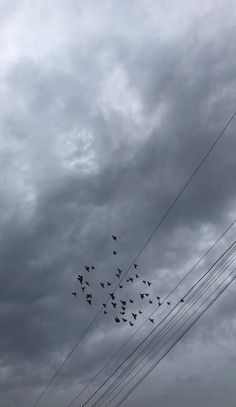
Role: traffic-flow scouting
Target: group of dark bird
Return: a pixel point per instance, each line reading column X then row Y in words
column 120, row 305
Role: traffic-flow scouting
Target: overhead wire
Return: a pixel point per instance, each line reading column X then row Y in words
column 179, row 194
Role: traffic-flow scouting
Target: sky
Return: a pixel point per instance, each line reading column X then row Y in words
column 106, row 109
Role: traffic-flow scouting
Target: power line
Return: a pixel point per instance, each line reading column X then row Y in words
column 208, row 274
column 156, row 309
column 136, row 257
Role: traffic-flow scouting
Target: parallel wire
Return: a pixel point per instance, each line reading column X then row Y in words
column 154, row 342
column 227, row 253
column 173, row 317
column 135, row 258
column 178, row 339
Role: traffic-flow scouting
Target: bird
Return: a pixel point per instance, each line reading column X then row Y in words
column 92, row 267
column 120, row 271
column 124, row 320
column 80, row 278
column 123, row 307
column 114, row 304
column 74, row 294
column 120, row 286
column 112, row 296
column 135, row 265
column 182, row 300
column 81, row 281
column 123, row 302
column 108, row 283
column 131, row 323
column 159, row 303
column 122, row 313
column 150, row 301
column 114, row 252
column 134, row 315
column 136, row 275
column 142, row 296
column 114, row 237
column 127, row 280
column 117, row 275
column 147, row 294
column 83, row 288
column 86, row 282
column 168, row 302
column 131, row 301
column 158, row 298
column 152, row 320
column 149, row 283
column 117, row 319
column 105, row 305
column 88, row 295
column 144, row 282
column 131, row 279
column 89, row 301
column 105, row 312
column 102, row 285
column 140, row 312
column 87, row 268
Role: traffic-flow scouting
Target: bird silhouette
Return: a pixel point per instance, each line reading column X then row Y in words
column 136, row 275
column 131, row 323
column 74, row 294
column 147, row 294
column 114, row 252
column 131, row 301
column 105, row 312
column 135, row 265
column 150, row 301
column 149, row 283
column 120, row 271
column 124, row 320
column 123, row 307
column 87, row 268
column 114, row 304
column 88, row 295
column 105, row 305
column 118, row 275
column 81, row 281
column 117, row 320
column 144, row 282
column 114, row 237
column 131, row 279
column 134, row 315
column 92, row 267
column 120, row 286
column 122, row 313
column 123, row 302
column 127, row 280
column 142, row 296
column 140, row 312
column 159, row 303
column 102, row 285
column 80, row 278
column 112, row 296
column 168, row 302
column 152, row 320
column 182, row 300
column 108, row 283
column 89, row 301
column 86, row 282
column 83, row 288
column 158, row 298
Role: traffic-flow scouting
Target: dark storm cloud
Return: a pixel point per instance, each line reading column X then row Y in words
column 102, row 123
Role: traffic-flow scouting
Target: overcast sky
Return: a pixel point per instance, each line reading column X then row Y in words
column 106, row 109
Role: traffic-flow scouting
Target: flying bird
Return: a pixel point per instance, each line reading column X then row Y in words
column 147, row 294
column 136, row 275
column 92, row 267
column 131, row 279
column 102, row 285
column 117, row 320
column 86, row 282
column 88, row 295
column 150, row 301
column 120, row 286
column 168, row 302
column 152, row 320
column 120, row 271
column 123, row 307
column 134, row 315
column 149, row 283
column 182, row 300
column 112, row 296
column 83, row 288
column 144, row 282
column 105, row 305
column 131, row 323
column 105, row 312
column 140, row 312
column 114, row 252
column 135, row 265
column 117, row 275
column 142, row 296
column 158, row 298
column 114, row 237
column 108, row 283
column 122, row 313
column 74, row 294
column 123, row 302
column 89, row 301
column 87, row 268
column 131, row 301
column 124, row 320
column 114, row 304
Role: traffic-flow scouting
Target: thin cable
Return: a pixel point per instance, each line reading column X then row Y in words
column 227, row 252
column 184, row 333
column 156, row 309
column 136, row 257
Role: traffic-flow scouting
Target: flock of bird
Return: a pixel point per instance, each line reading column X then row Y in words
column 120, row 305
